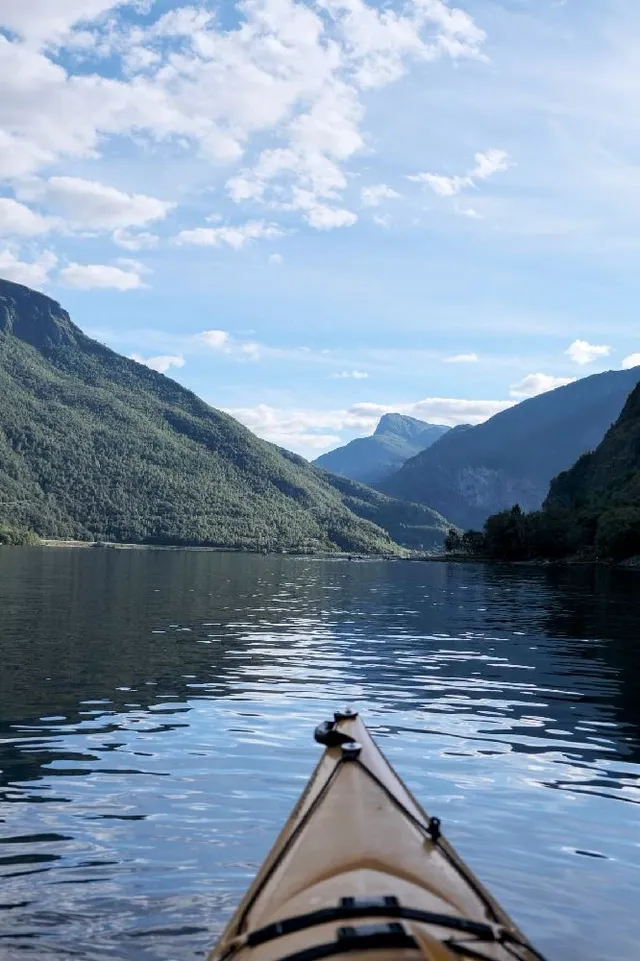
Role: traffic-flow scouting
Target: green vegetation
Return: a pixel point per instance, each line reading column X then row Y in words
column 473, row 472
column 592, row 510
column 16, row 537
column 94, row 446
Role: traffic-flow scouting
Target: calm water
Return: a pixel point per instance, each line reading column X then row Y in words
column 156, row 716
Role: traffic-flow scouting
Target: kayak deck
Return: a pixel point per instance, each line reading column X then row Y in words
column 360, row 868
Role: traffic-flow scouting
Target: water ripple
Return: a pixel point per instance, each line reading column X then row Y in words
column 157, row 712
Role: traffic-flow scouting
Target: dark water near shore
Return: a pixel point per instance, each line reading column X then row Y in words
column 156, row 717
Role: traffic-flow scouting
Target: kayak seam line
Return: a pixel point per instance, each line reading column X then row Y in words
column 285, row 849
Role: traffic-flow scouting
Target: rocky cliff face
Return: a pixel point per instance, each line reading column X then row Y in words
column 35, row 318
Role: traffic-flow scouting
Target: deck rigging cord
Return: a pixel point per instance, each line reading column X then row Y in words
column 392, row 934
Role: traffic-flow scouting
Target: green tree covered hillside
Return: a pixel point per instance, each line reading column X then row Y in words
column 96, row 446
column 592, row 509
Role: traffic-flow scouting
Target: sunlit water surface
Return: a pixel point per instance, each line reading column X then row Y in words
column 157, row 710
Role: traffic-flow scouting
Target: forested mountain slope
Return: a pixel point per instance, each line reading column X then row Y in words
column 96, row 446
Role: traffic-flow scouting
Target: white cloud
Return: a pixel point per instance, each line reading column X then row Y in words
column 286, row 75
column 490, row 163
column 41, row 21
column 327, row 218
column 633, row 360
column 317, row 214
column 350, row 375
column 99, row 276
column 461, row 359
column 382, row 221
column 17, row 219
column 440, row 184
column 582, row 352
column 486, row 165
column 139, row 241
column 96, row 206
column 162, row 363
column 276, row 259
column 234, row 237
column 221, row 340
column 449, row 411
column 534, row 384
column 288, row 426
column 374, row 195
column 216, row 339
column 34, row 273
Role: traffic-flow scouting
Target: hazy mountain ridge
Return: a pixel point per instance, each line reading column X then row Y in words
column 371, row 460
column 592, row 510
column 94, row 445
column 467, row 475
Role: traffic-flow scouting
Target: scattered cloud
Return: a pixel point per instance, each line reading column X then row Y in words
column 90, row 205
column 221, row 340
column 486, row 165
column 276, row 260
column 99, row 276
column 162, row 363
column 633, row 360
column 350, row 375
column 469, row 212
column 383, row 220
column 582, row 352
column 280, row 95
column 319, row 215
column 462, row 359
column 534, row 384
column 234, row 237
column 139, row 241
column 374, row 195
column 17, row 219
column 300, row 428
column 216, row 339
column 449, row 411
column 45, row 21
column 34, row 273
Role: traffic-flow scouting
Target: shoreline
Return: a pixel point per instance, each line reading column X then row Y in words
column 284, row 552
column 631, row 563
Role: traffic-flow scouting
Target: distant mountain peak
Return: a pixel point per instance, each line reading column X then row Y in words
column 370, row 460
column 400, row 424
column 34, row 318
column 473, row 472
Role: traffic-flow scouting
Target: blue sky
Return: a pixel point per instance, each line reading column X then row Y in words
column 311, row 214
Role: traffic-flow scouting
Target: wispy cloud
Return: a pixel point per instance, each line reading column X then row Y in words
column 534, row 384
column 462, row 359
column 582, row 352
column 300, row 428
column 632, row 360
column 374, row 195
column 235, row 237
column 486, row 165
column 162, row 363
column 34, row 273
column 350, row 375
column 100, row 276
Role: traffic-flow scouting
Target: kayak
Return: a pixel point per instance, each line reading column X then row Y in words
column 360, row 869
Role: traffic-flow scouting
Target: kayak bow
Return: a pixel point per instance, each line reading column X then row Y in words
column 359, row 868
